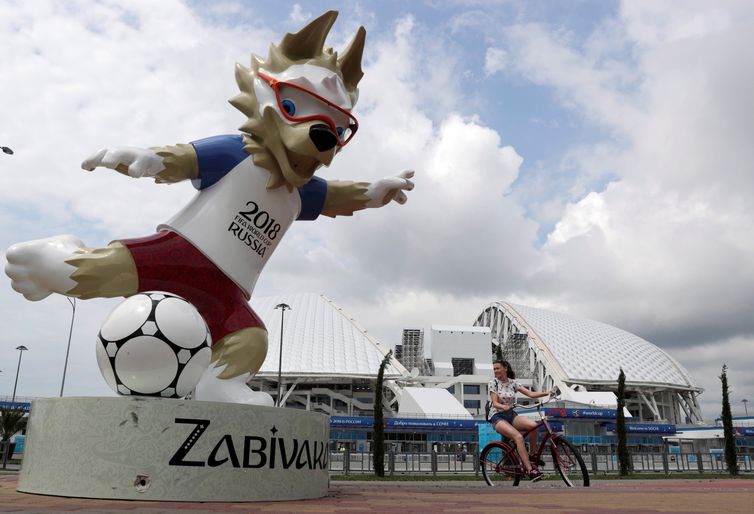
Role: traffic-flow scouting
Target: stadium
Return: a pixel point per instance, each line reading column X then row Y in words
column 581, row 356
column 435, row 390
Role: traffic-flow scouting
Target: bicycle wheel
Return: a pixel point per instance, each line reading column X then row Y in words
column 568, row 462
column 499, row 465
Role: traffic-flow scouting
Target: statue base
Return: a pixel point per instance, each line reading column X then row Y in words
column 174, row 450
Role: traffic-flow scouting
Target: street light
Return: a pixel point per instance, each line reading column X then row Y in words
column 21, row 350
column 283, row 307
column 7, row 150
column 745, row 401
column 70, row 333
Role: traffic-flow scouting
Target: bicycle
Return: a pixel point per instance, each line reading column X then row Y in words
column 500, row 462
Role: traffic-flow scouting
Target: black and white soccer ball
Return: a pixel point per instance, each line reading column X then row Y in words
column 154, row 344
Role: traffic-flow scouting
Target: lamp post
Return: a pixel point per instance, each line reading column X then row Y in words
column 21, row 350
column 283, row 307
column 745, row 401
column 70, row 333
column 7, row 150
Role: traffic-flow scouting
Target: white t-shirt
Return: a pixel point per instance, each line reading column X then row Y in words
column 506, row 393
column 238, row 222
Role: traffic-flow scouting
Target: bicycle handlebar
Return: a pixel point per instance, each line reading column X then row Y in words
column 537, row 405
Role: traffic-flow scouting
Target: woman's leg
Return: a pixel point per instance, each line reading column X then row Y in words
column 506, row 429
column 522, row 424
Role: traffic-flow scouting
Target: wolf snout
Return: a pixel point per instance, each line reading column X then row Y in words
column 322, row 137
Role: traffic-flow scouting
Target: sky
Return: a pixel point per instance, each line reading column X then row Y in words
column 588, row 157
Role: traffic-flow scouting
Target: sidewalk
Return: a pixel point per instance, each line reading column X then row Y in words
column 608, row 496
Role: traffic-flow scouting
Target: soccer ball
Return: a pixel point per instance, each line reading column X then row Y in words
column 154, row 344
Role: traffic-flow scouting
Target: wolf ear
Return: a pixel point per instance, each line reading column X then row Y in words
column 308, row 42
column 350, row 61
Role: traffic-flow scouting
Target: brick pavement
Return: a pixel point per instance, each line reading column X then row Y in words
column 614, row 497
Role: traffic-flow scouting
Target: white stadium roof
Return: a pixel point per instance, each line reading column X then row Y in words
column 319, row 339
column 592, row 351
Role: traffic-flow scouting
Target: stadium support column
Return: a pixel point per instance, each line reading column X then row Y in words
column 283, row 307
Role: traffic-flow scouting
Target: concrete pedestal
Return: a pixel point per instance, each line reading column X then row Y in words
column 173, row 450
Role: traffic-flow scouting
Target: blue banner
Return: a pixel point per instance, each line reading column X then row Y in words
column 347, row 422
column 581, row 413
column 20, row 443
column 744, row 431
column 486, row 435
column 341, row 422
column 637, row 428
column 26, row 406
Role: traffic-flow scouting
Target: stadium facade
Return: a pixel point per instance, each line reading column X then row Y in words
column 435, row 393
column 581, row 356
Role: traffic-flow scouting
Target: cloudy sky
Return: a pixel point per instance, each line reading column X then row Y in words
column 589, row 157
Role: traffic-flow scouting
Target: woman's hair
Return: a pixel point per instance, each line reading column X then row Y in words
column 511, row 374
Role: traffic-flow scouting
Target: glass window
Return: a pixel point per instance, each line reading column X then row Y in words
column 471, row 389
column 472, row 404
column 452, row 389
column 462, row 366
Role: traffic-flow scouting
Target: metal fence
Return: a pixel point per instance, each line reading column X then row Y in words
column 451, row 463
column 439, row 463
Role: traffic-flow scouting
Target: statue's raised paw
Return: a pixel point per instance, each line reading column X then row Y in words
column 131, row 161
column 38, row 268
column 390, row 188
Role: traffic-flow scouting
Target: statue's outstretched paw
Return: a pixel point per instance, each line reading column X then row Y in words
column 231, row 390
column 38, row 268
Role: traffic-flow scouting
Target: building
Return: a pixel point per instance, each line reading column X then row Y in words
column 410, row 352
column 330, row 363
column 582, row 357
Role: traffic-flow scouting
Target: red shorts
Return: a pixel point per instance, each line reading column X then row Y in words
column 167, row 262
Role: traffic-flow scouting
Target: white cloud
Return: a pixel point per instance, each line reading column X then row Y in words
column 664, row 250
column 137, row 88
column 495, row 60
column 583, row 81
column 653, row 24
column 378, row 261
column 80, row 76
column 298, row 15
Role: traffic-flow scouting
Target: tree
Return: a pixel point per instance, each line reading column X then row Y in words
column 378, row 437
column 730, row 437
column 499, row 352
column 12, row 420
column 624, row 458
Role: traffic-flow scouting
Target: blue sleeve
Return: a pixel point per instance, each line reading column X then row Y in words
column 312, row 198
column 217, row 155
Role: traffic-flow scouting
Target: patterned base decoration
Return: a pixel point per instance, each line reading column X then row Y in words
column 173, row 450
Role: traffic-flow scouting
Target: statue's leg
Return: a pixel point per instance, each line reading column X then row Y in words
column 241, row 352
column 64, row 265
column 235, row 358
column 168, row 262
column 104, row 273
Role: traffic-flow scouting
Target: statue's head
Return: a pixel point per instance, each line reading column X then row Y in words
column 299, row 101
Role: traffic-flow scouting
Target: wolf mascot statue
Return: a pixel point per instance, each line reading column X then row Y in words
column 251, row 187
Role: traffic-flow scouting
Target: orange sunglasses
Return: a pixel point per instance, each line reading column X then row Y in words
column 292, row 101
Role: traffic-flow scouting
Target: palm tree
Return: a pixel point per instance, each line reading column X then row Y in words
column 378, row 437
column 728, row 432
column 12, row 420
column 624, row 458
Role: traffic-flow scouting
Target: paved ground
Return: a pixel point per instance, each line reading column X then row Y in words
column 613, row 497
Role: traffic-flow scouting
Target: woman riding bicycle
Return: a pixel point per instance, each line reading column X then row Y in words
column 503, row 389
